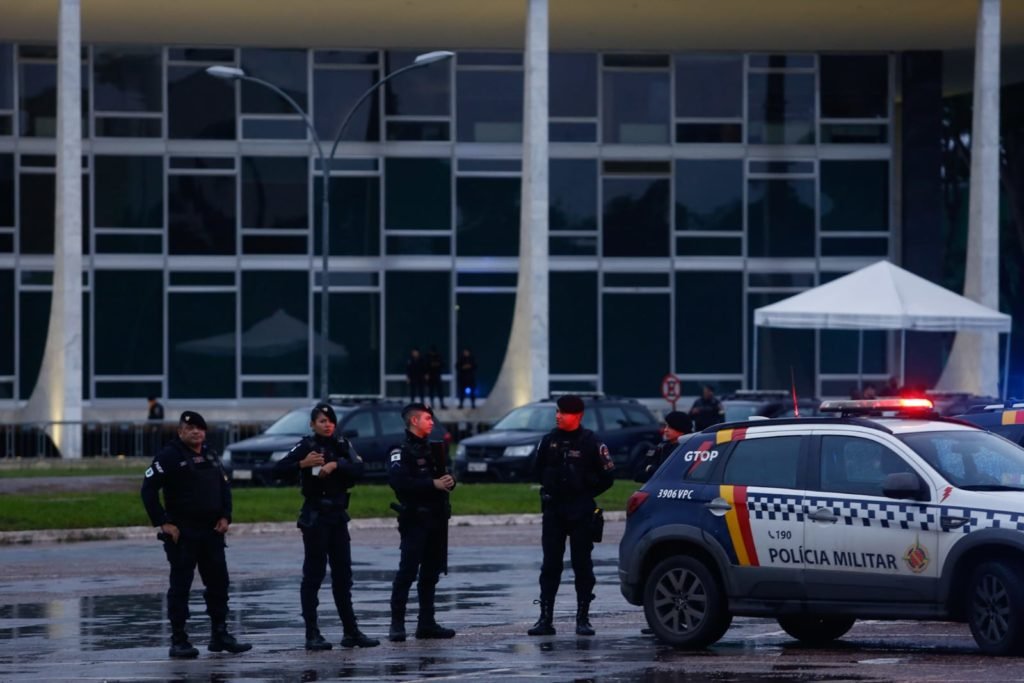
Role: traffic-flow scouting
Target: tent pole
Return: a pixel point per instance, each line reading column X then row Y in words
column 1006, row 365
column 754, row 382
column 860, row 361
column 903, row 358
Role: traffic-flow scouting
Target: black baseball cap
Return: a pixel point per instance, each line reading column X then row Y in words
column 570, row 403
column 191, row 417
column 679, row 421
column 323, row 409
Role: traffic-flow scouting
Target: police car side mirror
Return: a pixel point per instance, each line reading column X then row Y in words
column 904, row 486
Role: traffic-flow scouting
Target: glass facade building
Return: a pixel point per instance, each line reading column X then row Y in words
column 686, row 190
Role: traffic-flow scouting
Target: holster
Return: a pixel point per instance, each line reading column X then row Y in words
column 597, row 525
column 308, row 518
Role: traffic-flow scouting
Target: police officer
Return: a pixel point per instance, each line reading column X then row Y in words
column 422, row 492
column 707, row 410
column 197, row 497
column 328, row 467
column 573, row 468
column 677, row 424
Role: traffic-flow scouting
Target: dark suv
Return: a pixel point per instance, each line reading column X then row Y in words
column 506, row 452
column 884, row 511
column 373, row 426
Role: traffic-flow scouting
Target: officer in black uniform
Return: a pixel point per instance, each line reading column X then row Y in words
column 707, row 410
column 677, row 423
column 197, row 497
column 573, row 468
column 422, row 492
column 327, row 467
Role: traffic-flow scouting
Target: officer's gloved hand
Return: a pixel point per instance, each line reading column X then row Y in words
column 545, row 497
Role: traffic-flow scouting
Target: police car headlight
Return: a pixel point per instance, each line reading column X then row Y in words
column 460, row 452
column 518, row 451
column 278, row 456
column 225, row 458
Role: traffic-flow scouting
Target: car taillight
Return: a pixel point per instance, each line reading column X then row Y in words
column 635, row 501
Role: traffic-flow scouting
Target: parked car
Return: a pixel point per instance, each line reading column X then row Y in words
column 744, row 404
column 374, row 427
column 821, row 521
column 506, row 452
column 1004, row 419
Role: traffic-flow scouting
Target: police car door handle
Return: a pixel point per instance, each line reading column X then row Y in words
column 718, row 505
column 823, row 515
column 949, row 522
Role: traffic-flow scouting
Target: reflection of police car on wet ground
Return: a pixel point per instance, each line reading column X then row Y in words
column 373, row 426
column 821, row 521
column 505, row 453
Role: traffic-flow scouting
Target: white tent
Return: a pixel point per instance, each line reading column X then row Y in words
column 882, row 296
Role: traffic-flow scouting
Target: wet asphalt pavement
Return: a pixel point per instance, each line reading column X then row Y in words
column 95, row 611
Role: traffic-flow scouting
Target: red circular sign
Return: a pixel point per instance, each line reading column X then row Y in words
column 671, row 387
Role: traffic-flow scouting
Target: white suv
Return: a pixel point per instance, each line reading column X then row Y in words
column 885, row 511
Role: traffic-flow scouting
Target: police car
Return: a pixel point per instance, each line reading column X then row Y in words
column 1005, row 419
column 883, row 511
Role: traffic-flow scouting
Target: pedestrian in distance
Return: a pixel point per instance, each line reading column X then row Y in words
column 466, row 377
column 416, row 375
column 193, row 521
column 435, row 368
column 327, row 468
column 156, row 410
column 573, row 468
column 676, row 425
column 421, row 485
column 707, row 410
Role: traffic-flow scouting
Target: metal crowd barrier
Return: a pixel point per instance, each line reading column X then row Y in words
column 111, row 439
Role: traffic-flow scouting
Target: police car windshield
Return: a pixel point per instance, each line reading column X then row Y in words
column 295, row 423
column 533, row 418
column 971, row 459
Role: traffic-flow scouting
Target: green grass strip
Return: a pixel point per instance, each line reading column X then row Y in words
column 83, row 510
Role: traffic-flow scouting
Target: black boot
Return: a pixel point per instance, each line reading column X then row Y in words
column 222, row 641
column 353, row 637
column 396, row 634
column 315, row 641
column 426, row 626
column 180, row 647
column 545, row 625
column 583, row 627
column 356, row 638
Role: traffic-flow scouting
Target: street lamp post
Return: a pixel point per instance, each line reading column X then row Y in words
column 231, row 73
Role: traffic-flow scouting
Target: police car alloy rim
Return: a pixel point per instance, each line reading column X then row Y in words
column 992, row 609
column 680, row 600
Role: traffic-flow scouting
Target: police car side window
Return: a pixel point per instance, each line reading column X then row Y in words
column 639, row 417
column 361, row 422
column 770, row 461
column 851, row 464
column 613, row 417
column 391, row 422
column 589, row 421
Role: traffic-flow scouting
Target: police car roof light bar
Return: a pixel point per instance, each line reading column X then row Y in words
column 865, row 406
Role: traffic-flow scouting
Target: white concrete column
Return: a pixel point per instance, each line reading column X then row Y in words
column 524, row 372
column 57, row 395
column 974, row 361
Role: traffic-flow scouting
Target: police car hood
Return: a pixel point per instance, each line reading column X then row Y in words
column 503, row 437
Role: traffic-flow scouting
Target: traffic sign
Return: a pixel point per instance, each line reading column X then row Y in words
column 671, row 389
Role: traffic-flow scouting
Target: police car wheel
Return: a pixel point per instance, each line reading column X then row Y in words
column 684, row 604
column 995, row 608
column 816, row 630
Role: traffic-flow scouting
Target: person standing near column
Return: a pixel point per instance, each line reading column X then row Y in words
column 327, row 467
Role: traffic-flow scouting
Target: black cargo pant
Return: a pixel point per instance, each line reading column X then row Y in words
column 422, row 549
column 557, row 526
column 327, row 540
column 202, row 549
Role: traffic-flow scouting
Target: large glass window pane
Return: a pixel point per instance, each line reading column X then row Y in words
column 37, row 199
column 275, row 192
column 839, row 350
column 780, row 109
column 6, row 190
column 483, row 326
column 354, row 342
column 354, row 214
column 854, row 87
column 783, row 354
column 201, row 214
column 7, row 322
column 417, row 193
column 335, row 92
column 129, row 317
column 780, row 217
column 284, row 68
column 635, row 363
column 715, row 299
column 573, row 194
column 489, row 106
column 38, row 94
column 33, row 325
column 573, row 84
column 128, row 79
column 424, row 92
column 199, row 106
column 417, row 314
column 572, row 298
column 6, row 76
column 275, row 322
column 636, row 216
column 709, row 86
column 129, row 191
column 201, row 358
column 854, row 195
column 635, row 107
column 487, row 219
column 709, row 195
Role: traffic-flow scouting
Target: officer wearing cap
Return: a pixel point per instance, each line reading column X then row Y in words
column 573, row 468
column 328, row 467
column 422, row 492
column 677, row 423
column 193, row 520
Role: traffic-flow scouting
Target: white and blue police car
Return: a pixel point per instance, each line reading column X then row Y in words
column 883, row 510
